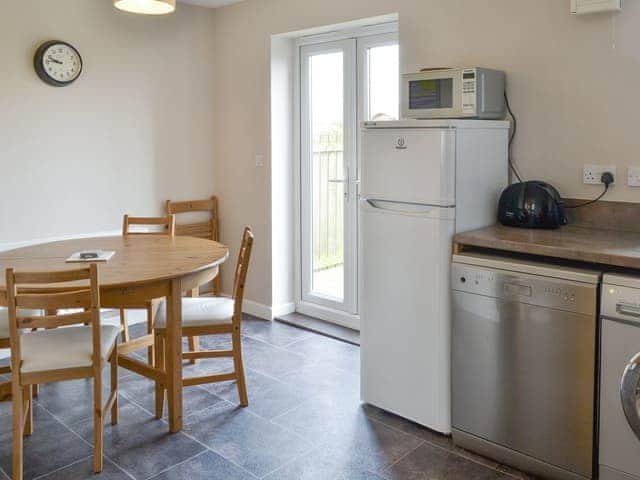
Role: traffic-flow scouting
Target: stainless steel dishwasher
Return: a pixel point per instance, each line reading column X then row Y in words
column 524, row 363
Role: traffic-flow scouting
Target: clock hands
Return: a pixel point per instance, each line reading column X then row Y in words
column 54, row 60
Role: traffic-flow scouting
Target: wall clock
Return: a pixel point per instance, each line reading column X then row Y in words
column 57, row 63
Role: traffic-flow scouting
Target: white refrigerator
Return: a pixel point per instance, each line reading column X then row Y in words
column 421, row 182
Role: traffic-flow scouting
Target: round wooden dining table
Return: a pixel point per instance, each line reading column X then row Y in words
column 143, row 268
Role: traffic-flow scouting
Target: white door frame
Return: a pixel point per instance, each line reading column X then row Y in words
column 365, row 37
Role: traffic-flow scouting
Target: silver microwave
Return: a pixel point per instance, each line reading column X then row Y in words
column 470, row 92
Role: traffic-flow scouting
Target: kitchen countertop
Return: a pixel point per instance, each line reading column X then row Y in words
column 571, row 242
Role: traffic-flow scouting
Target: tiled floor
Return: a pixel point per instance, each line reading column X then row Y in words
column 305, row 421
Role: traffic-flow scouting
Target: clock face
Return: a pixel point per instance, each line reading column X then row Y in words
column 58, row 63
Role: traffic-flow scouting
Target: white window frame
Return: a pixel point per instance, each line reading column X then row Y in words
column 364, row 44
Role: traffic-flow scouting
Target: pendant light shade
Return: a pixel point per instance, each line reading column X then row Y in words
column 147, row 7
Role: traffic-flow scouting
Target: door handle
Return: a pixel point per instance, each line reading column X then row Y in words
column 343, row 181
column 629, row 386
column 628, row 309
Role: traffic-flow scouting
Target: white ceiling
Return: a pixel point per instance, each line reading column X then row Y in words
column 211, row 3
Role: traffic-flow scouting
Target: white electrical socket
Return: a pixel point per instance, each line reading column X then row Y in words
column 259, row 160
column 592, row 174
column 633, row 176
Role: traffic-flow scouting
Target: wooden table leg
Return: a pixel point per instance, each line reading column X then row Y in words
column 173, row 359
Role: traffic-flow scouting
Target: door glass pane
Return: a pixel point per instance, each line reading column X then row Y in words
column 384, row 82
column 327, row 133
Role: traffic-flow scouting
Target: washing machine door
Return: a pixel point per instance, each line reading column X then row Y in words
column 629, row 394
column 619, row 414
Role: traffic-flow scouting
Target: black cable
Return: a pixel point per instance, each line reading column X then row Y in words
column 512, row 136
column 606, row 189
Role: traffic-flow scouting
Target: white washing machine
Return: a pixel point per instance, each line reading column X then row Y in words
column 620, row 379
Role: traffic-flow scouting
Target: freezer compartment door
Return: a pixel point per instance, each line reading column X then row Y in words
column 412, row 165
column 405, row 316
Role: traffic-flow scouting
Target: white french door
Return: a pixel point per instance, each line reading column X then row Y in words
column 342, row 82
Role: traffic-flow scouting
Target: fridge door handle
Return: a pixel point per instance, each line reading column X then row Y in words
column 410, row 208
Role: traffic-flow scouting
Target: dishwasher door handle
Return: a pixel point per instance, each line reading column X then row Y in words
column 629, row 386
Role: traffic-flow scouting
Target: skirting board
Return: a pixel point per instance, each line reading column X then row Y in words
column 266, row 312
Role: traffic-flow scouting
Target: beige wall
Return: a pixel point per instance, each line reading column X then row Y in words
column 134, row 130
column 574, row 93
column 178, row 106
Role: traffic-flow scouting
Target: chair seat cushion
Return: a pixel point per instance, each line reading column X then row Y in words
column 62, row 348
column 4, row 319
column 200, row 312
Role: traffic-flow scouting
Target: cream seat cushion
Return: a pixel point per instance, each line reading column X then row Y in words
column 4, row 319
column 62, row 348
column 200, row 312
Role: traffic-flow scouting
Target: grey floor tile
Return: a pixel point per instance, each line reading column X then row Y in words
column 268, row 397
column 141, row 391
column 348, row 435
column 274, row 333
column 206, row 466
column 321, row 380
column 271, row 360
column 72, row 401
column 257, row 383
column 83, row 470
column 5, row 408
column 429, row 462
column 244, row 438
column 216, row 342
column 305, row 422
column 141, row 444
column 51, row 446
column 334, row 352
column 320, row 464
column 426, row 434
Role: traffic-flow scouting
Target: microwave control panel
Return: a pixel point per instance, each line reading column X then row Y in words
column 469, row 83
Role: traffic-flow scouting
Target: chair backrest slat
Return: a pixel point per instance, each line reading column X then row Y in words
column 54, row 321
column 200, row 230
column 57, row 300
column 62, row 276
column 207, row 205
column 242, row 267
column 207, row 229
column 167, row 223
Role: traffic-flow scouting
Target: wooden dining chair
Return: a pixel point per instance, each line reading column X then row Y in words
column 5, row 342
column 203, row 229
column 207, row 229
column 210, row 316
column 55, row 354
column 154, row 226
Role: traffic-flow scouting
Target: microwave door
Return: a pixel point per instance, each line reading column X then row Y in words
column 433, row 97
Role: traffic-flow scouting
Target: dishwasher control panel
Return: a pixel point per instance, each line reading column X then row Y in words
column 525, row 288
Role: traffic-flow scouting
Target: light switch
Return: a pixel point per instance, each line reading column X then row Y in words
column 259, row 161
